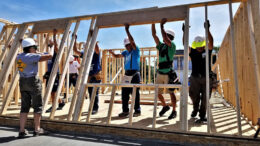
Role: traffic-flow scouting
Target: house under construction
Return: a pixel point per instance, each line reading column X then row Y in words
column 233, row 111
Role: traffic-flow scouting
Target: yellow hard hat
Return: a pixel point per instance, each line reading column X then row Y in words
column 198, row 42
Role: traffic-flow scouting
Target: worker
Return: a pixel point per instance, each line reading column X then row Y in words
column 48, row 73
column 30, row 85
column 94, row 73
column 165, row 73
column 197, row 79
column 132, row 73
column 73, row 71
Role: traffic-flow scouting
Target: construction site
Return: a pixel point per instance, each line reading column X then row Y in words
column 233, row 108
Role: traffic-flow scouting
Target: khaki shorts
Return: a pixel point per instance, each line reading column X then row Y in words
column 162, row 79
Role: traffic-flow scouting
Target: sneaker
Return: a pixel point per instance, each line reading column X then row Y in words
column 193, row 114
column 123, row 114
column 201, row 120
column 61, row 105
column 172, row 115
column 164, row 110
column 94, row 112
column 23, row 134
column 40, row 132
column 49, row 110
column 136, row 114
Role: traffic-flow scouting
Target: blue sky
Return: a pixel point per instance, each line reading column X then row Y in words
column 30, row 10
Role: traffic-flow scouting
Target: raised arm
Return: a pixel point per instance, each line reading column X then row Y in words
column 155, row 37
column 183, row 29
column 166, row 39
column 210, row 37
column 115, row 55
column 131, row 39
column 75, row 49
column 55, row 41
column 97, row 49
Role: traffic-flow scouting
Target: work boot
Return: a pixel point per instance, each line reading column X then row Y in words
column 172, row 115
column 61, row 105
column 123, row 114
column 201, row 120
column 23, row 134
column 49, row 110
column 194, row 114
column 164, row 110
column 94, row 112
column 137, row 113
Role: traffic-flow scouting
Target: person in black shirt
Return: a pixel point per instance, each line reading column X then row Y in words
column 197, row 89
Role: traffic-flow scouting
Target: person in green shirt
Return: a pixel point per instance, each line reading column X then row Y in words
column 167, row 50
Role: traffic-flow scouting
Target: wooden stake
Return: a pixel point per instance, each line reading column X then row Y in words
column 207, row 71
column 254, row 52
column 184, row 91
column 65, row 69
column 235, row 68
column 76, row 89
column 85, row 74
column 9, row 93
column 155, row 106
column 91, row 104
column 55, row 68
column 10, row 59
column 132, row 107
column 110, row 109
column 5, row 50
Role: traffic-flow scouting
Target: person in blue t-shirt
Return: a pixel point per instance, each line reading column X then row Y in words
column 132, row 73
column 48, row 73
column 94, row 73
column 30, row 85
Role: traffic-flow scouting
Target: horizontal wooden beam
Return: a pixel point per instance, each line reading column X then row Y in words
column 143, row 17
column 213, row 3
column 88, row 17
column 5, row 21
column 136, row 85
column 48, row 26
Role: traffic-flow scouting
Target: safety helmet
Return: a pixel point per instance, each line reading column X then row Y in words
column 198, row 42
column 126, row 41
column 170, row 32
column 28, row 42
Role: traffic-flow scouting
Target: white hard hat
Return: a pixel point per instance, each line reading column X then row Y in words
column 71, row 58
column 28, row 42
column 199, row 39
column 171, row 32
column 126, row 41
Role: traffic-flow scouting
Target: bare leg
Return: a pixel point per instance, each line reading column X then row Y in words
column 37, row 119
column 161, row 98
column 173, row 100
column 23, row 119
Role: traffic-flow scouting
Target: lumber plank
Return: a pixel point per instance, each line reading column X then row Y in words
column 132, row 106
column 76, row 89
column 110, row 109
column 91, row 104
column 87, row 65
column 10, row 59
column 48, row 26
column 55, row 67
column 65, row 70
column 176, row 13
column 8, row 97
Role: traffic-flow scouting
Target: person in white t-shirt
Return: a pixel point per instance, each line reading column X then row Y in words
column 73, row 69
